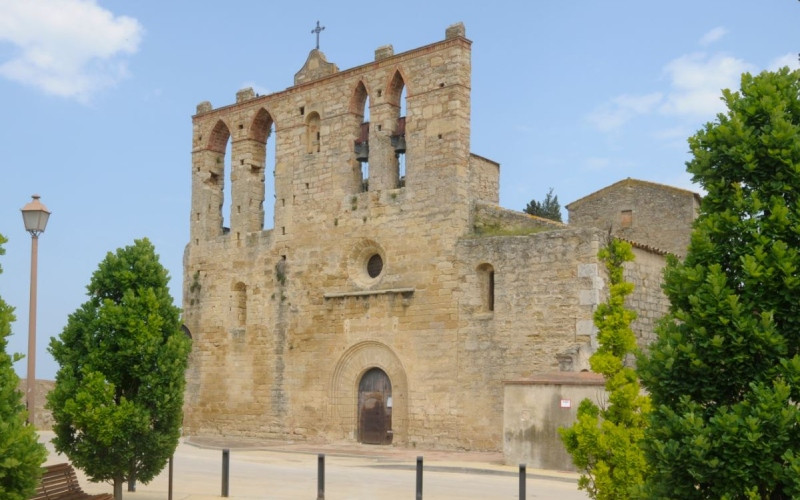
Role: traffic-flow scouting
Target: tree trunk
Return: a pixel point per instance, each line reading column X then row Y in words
column 132, row 476
column 118, row 487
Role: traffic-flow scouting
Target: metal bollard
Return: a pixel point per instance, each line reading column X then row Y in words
column 522, row 477
column 419, row 478
column 226, row 465
column 321, row 476
column 169, row 491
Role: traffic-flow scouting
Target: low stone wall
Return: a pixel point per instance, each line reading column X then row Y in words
column 43, row 417
column 492, row 220
column 535, row 408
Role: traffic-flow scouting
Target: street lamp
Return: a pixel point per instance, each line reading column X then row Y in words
column 35, row 216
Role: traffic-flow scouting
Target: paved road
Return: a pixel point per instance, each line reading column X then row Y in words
column 281, row 473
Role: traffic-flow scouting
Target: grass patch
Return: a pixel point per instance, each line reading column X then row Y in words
column 497, row 230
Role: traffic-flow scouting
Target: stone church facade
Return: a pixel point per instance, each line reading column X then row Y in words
column 392, row 296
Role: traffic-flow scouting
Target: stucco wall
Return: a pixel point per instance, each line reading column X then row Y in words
column 533, row 411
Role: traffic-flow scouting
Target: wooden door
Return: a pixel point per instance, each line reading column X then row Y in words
column 375, row 408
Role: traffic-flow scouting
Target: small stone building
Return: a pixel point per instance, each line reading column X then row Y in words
column 640, row 211
column 390, row 296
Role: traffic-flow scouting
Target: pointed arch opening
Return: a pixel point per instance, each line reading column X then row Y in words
column 397, row 95
column 219, row 168
column 360, row 109
column 262, row 131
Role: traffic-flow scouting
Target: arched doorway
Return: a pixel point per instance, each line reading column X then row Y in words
column 353, row 364
column 375, row 408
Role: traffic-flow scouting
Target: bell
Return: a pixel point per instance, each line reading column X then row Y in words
column 399, row 144
column 362, row 151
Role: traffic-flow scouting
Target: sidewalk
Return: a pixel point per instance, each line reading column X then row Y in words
column 286, row 470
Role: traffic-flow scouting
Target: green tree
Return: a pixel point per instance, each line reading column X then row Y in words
column 548, row 208
column 605, row 443
column 117, row 402
column 21, row 454
column 724, row 372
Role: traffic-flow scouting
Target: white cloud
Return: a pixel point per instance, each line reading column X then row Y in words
column 68, row 48
column 615, row 113
column 695, row 90
column 697, row 81
column 789, row 59
column 713, row 35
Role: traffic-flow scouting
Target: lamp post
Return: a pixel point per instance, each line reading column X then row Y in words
column 35, row 216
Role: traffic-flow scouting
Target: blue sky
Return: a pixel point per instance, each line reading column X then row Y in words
column 97, row 99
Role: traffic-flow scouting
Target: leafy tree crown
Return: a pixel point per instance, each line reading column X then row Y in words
column 118, row 399
column 547, row 208
column 724, row 372
column 21, row 454
column 605, row 443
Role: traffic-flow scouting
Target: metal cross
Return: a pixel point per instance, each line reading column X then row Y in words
column 317, row 30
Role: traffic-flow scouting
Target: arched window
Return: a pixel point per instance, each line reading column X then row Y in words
column 486, row 284
column 312, row 133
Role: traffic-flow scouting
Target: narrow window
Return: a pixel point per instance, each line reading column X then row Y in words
column 362, row 148
column 486, row 285
column 239, row 304
column 490, row 298
column 362, row 155
column 312, row 133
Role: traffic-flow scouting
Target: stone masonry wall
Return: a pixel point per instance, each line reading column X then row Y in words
column 43, row 416
column 546, row 288
column 427, row 279
column 485, row 179
column 492, row 220
column 652, row 214
column 286, row 321
column 647, row 299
